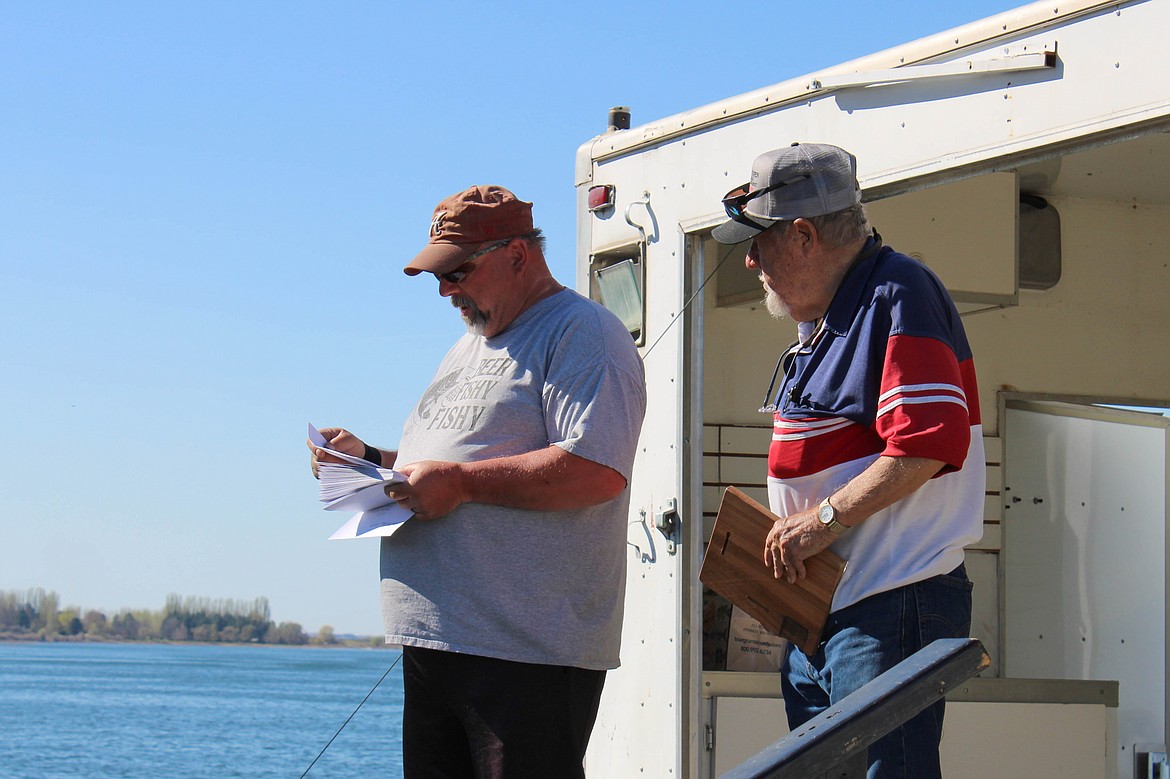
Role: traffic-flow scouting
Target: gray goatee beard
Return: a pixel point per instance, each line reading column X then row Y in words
column 773, row 303
column 476, row 319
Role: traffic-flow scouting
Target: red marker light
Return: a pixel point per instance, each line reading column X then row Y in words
column 601, row 197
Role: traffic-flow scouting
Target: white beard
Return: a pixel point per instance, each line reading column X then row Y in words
column 774, row 305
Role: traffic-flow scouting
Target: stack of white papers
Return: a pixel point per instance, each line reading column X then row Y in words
column 358, row 485
column 354, row 487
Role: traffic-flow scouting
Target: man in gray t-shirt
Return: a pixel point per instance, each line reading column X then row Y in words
column 506, row 588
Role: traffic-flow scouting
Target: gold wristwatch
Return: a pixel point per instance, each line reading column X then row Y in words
column 828, row 516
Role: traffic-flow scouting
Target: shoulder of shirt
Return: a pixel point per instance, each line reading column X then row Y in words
column 575, row 308
column 894, row 263
column 589, row 325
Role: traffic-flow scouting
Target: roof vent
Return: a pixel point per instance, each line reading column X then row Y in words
column 619, row 118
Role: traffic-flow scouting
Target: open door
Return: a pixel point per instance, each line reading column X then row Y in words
column 1084, row 576
column 644, row 726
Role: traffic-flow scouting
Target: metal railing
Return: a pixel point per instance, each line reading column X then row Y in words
column 834, row 743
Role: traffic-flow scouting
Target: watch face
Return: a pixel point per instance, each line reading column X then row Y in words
column 828, row 516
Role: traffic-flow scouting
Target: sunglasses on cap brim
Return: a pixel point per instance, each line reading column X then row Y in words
column 735, row 201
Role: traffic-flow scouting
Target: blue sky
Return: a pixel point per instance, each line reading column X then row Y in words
column 204, row 212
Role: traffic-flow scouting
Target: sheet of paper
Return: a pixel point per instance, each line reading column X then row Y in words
column 319, row 440
column 378, row 516
column 379, row 522
column 338, row 480
column 366, row 499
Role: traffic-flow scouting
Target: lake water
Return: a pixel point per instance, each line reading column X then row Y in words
column 183, row 710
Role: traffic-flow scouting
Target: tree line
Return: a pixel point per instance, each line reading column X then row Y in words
column 36, row 613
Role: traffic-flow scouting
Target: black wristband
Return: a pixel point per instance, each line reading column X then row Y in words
column 373, row 455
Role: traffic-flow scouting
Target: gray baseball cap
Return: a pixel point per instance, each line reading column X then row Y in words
column 801, row 180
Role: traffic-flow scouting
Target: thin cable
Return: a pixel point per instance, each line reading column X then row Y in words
column 690, row 300
column 347, row 719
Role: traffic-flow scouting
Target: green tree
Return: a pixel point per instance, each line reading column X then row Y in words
column 174, row 628
column 69, row 621
column 95, row 623
column 46, row 621
column 325, row 636
column 149, row 623
column 125, row 626
column 181, row 619
column 11, row 606
column 288, row 633
column 205, row 632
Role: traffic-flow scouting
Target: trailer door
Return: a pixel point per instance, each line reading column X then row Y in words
column 1084, row 593
column 645, row 725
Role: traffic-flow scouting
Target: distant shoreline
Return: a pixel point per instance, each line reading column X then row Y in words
column 356, row 642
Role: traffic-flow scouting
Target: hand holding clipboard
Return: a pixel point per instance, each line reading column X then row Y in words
column 733, row 568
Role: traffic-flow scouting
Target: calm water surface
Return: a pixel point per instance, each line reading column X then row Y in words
column 183, row 711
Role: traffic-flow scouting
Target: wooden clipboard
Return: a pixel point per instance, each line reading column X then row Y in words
column 734, row 567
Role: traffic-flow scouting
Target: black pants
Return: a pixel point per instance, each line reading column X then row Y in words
column 470, row 717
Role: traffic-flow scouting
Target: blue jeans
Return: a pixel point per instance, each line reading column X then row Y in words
column 862, row 641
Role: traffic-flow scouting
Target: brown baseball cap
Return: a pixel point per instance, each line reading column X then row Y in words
column 463, row 221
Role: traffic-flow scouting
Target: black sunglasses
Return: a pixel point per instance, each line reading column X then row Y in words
column 460, row 273
column 737, row 199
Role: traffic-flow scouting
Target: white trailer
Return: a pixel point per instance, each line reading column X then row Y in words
column 1026, row 159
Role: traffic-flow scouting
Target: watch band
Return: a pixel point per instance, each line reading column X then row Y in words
column 827, row 514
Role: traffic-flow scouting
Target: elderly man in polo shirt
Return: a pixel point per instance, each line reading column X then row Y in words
column 506, row 588
column 877, row 445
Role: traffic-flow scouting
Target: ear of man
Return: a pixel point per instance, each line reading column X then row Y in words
column 805, row 233
column 518, row 254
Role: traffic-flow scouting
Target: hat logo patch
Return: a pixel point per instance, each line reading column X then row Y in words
column 437, row 223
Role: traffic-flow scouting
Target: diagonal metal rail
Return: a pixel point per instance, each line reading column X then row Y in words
column 833, row 744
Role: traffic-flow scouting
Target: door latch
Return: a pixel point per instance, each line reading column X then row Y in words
column 666, row 520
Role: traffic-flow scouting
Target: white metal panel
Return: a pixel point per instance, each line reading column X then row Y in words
column 983, row 571
column 976, row 258
column 1107, row 77
column 1103, row 331
column 644, row 726
column 985, row 35
column 980, row 739
column 744, row 726
column 1057, row 740
column 1084, row 590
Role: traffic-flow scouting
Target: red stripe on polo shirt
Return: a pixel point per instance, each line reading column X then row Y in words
column 923, row 409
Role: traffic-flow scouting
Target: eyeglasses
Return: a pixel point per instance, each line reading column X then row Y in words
column 737, row 199
column 460, row 273
column 784, row 365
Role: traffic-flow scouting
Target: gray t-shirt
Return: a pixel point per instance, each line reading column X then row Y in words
column 531, row 586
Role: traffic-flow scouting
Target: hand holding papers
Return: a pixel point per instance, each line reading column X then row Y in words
column 346, row 487
column 358, row 485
